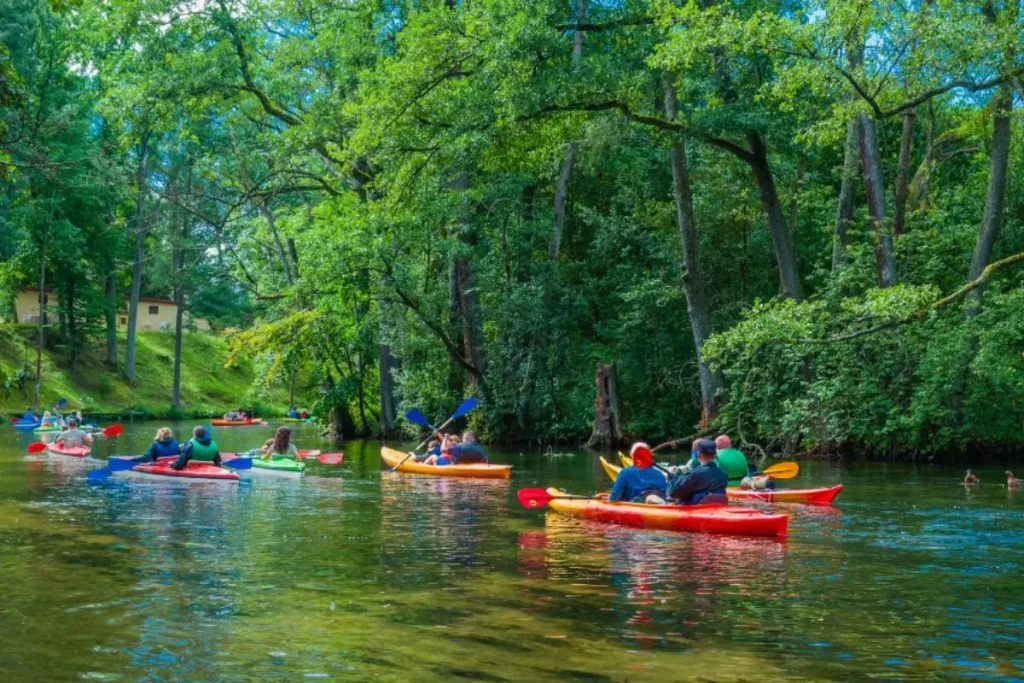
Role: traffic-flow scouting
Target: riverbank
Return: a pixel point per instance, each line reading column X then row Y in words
column 207, row 386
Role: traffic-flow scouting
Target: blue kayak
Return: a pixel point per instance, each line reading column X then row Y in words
column 27, row 426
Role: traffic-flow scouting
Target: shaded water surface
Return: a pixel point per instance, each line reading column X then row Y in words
column 355, row 573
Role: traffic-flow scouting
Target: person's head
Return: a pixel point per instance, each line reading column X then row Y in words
column 707, row 450
column 453, row 439
column 468, row 436
column 163, row 434
column 434, row 443
column 199, row 432
column 723, row 442
column 282, row 437
column 72, row 423
column 642, row 455
column 46, row 413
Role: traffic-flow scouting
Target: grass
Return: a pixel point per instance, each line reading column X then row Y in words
column 207, row 387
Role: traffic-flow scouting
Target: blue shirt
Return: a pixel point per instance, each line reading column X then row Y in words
column 466, row 453
column 634, row 481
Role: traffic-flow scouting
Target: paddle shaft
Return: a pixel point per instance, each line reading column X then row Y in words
column 425, row 441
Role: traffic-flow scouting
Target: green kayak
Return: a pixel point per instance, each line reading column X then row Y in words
column 47, row 430
column 281, row 467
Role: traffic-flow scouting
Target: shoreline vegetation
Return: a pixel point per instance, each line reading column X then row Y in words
column 796, row 223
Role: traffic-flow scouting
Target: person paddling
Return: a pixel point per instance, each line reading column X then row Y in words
column 293, row 414
column 49, row 420
column 281, row 446
column 164, row 446
column 636, row 483
column 705, row 481
column 200, row 448
column 29, row 416
column 466, row 453
column 73, row 436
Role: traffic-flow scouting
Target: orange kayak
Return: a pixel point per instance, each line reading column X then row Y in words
column 391, row 457
column 72, row 451
column 818, row 496
column 709, row 519
column 236, row 423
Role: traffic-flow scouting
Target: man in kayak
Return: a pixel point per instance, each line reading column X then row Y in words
column 636, row 483
column 293, row 413
column 231, row 415
column 200, row 448
column 73, row 436
column 164, row 445
column 731, row 460
column 29, row 416
column 707, row 479
column 433, row 450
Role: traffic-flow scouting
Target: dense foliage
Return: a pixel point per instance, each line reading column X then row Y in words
column 753, row 209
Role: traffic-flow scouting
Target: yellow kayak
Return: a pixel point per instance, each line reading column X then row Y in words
column 391, row 457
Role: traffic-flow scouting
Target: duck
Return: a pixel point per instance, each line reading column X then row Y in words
column 971, row 479
column 1012, row 483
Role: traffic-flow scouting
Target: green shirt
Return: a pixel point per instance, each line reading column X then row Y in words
column 204, row 452
column 733, row 462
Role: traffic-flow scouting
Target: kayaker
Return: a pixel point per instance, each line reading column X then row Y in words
column 433, row 450
column 280, row 446
column 707, row 479
column 73, row 436
column 293, row 413
column 29, row 416
column 164, row 445
column 231, row 416
column 48, row 420
column 732, row 460
column 636, row 483
column 304, row 415
column 466, row 453
column 200, row 448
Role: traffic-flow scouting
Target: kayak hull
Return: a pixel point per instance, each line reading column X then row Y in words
column 391, row 458
column 819, row 496
column 69, row 451
column 236, row 423
column 709, row 519
column 193, row 471
column 25, row 426
column 47, row 430
column 287, row 469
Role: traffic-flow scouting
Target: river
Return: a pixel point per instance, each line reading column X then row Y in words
column 357, row 574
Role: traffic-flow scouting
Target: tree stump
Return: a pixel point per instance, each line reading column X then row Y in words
column 607, row 432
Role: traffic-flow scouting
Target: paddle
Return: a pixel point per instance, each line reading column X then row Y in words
column 113, row 465
column 537, row 498
column 112, row 430
column 238, row 463
column 37, row 447
column 416, row 416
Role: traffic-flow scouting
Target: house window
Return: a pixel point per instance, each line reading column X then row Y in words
column 153, row 310
column 124, row 320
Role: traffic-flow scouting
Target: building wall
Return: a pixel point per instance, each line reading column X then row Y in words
column 26, row 305
column 154, row 315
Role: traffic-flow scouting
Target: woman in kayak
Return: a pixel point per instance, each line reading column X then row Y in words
column 73, row 436
column 468, row 452
column 200, row 448
column 280, row 446
column 706, row 480
column 49, row 420
column 634, row 484
column 164, row 446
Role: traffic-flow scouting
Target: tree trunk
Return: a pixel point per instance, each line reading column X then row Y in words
column 467, row 295
column 110, row 315
column 903, row 173
column 996, row 194
column 282, row 255
column 789, row 276
column 565, row 175
column 179, row 324
column 607, row 432
column 874, row 188
column 72, row 326
column 293, row 376
column 693, row 277
column 139, row 229
column 388, row 412
column 847, row 196
column 42, row 324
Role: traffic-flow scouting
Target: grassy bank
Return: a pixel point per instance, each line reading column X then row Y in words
column 207, row 387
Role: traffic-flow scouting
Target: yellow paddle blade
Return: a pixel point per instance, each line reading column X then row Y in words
column 625, row 459
column 783, row 470
column 611, row 470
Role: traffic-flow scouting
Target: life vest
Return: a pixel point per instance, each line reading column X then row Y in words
column 166, row 448
column 203, row 452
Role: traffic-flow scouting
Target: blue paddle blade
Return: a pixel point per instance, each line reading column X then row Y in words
column 120, row 464
column 98, row 475
column 61, row 402
column 466, row 406
column 238, row 463
column 416, row 416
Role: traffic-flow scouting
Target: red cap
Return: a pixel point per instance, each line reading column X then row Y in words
column 642, row 455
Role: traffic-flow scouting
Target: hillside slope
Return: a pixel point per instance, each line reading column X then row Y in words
column 207, row 387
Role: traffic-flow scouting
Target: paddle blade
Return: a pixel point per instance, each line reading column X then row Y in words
column 783, row 470
column 113, row 430
column 37, row 447
column 98, row 475
column 533, row 498
column 625, row 459
column 413, row 415
column 61, row 402
column 238, row 463
column 120, row 464
column 466, row 406
column 330, row 458
column 308, row 454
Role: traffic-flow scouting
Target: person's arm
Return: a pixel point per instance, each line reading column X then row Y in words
column 686, row 487
column 88, row 438
column 186, row 455
column 621, row 486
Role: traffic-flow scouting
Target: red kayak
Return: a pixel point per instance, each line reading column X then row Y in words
column 237, row 423
column 194, row 470
column 70, row 451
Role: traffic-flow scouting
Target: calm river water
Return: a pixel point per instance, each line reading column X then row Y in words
column 355, row 574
